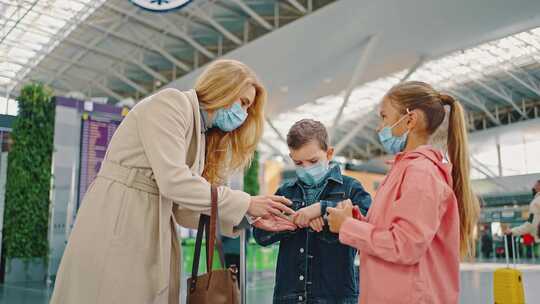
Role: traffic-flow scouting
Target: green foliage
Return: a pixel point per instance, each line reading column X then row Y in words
column 29, row 175
column 251, row 177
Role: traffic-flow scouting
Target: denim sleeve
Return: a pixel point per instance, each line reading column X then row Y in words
column 357, row 195
column 325, row 205
column 360, row 197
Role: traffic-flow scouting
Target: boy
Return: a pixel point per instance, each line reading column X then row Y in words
column 313, row 267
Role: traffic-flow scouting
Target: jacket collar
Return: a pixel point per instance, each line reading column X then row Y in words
column 427, row 152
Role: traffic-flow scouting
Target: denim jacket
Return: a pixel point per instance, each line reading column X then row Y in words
column 315, row 268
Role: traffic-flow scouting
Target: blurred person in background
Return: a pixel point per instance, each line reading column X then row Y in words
column 533, row 221
column 486, row 242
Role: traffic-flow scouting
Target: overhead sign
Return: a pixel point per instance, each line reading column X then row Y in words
column 160, row 5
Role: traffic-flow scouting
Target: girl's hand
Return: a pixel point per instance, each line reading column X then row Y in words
column 338, row 215
column 355, row 210
column 317, row 224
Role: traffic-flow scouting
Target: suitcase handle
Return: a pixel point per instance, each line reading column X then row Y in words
column 517, row 241
column 513, row 251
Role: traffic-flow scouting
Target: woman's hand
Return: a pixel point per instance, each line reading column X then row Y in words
column 336, row 216
column 265, row 206
column 274, row 223
column 304, row 216
column 317, row 224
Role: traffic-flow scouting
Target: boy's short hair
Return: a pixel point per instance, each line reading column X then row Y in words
column 306, row 130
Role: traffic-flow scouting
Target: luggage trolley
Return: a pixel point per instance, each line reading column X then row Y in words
column 243, row 264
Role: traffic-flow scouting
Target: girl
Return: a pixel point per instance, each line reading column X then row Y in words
column 423, row 215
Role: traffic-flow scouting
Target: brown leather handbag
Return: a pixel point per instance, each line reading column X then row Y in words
column 216, row 286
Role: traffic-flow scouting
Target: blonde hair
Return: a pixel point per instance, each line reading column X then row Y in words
column 419, row 95
column 220, row 85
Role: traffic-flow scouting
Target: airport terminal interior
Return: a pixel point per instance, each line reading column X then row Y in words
column 328, row 60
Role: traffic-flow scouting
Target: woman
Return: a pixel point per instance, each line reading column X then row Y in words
column 424, row 212
column 157, row 172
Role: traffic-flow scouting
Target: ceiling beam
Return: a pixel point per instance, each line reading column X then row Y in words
column 356, row 148
column 531, row 86
column 298, row 6
column 351, row 134
column 220, row 28
column 108, row 54
column 187, row 38
column 250, row 12
column 368, row 46
column 91, row 46
column 413, row 69
column 273, row 127
column 501, row 94
column 58, row 35
column 120, row 37
column 165, row 28
column 82, row 79
column 101, row 52
column 151, row 41
column 129, row 82
column 276, row 150
column 476, row 102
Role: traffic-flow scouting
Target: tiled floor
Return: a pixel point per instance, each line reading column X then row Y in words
column 476, row 282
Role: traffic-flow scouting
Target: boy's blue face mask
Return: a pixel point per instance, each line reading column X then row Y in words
column 313, row 175
column 230, row 119
column 393, row 144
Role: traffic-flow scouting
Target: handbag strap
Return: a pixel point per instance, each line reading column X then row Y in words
column 203, row 223
column 219, row 245
column 209, row 226
column 217, row 241
column 211, row 235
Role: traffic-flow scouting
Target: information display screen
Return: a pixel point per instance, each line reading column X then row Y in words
column 96, row 135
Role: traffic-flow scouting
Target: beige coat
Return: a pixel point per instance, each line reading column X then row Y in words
column 123, row 248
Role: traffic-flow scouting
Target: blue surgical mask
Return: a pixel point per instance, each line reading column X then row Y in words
column 230, row 119
column 313, row 175
column 393, row 144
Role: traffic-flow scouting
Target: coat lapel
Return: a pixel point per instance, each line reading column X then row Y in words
column 196, row 144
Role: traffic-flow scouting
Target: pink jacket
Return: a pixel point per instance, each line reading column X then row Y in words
column 409, row 245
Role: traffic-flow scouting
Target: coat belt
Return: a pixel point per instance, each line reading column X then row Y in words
column 130, row 177
column 134, row 178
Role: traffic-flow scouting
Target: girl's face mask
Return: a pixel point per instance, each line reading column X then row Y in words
column 393, row 144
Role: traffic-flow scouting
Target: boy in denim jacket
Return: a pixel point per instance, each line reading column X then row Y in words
column 313, row 266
